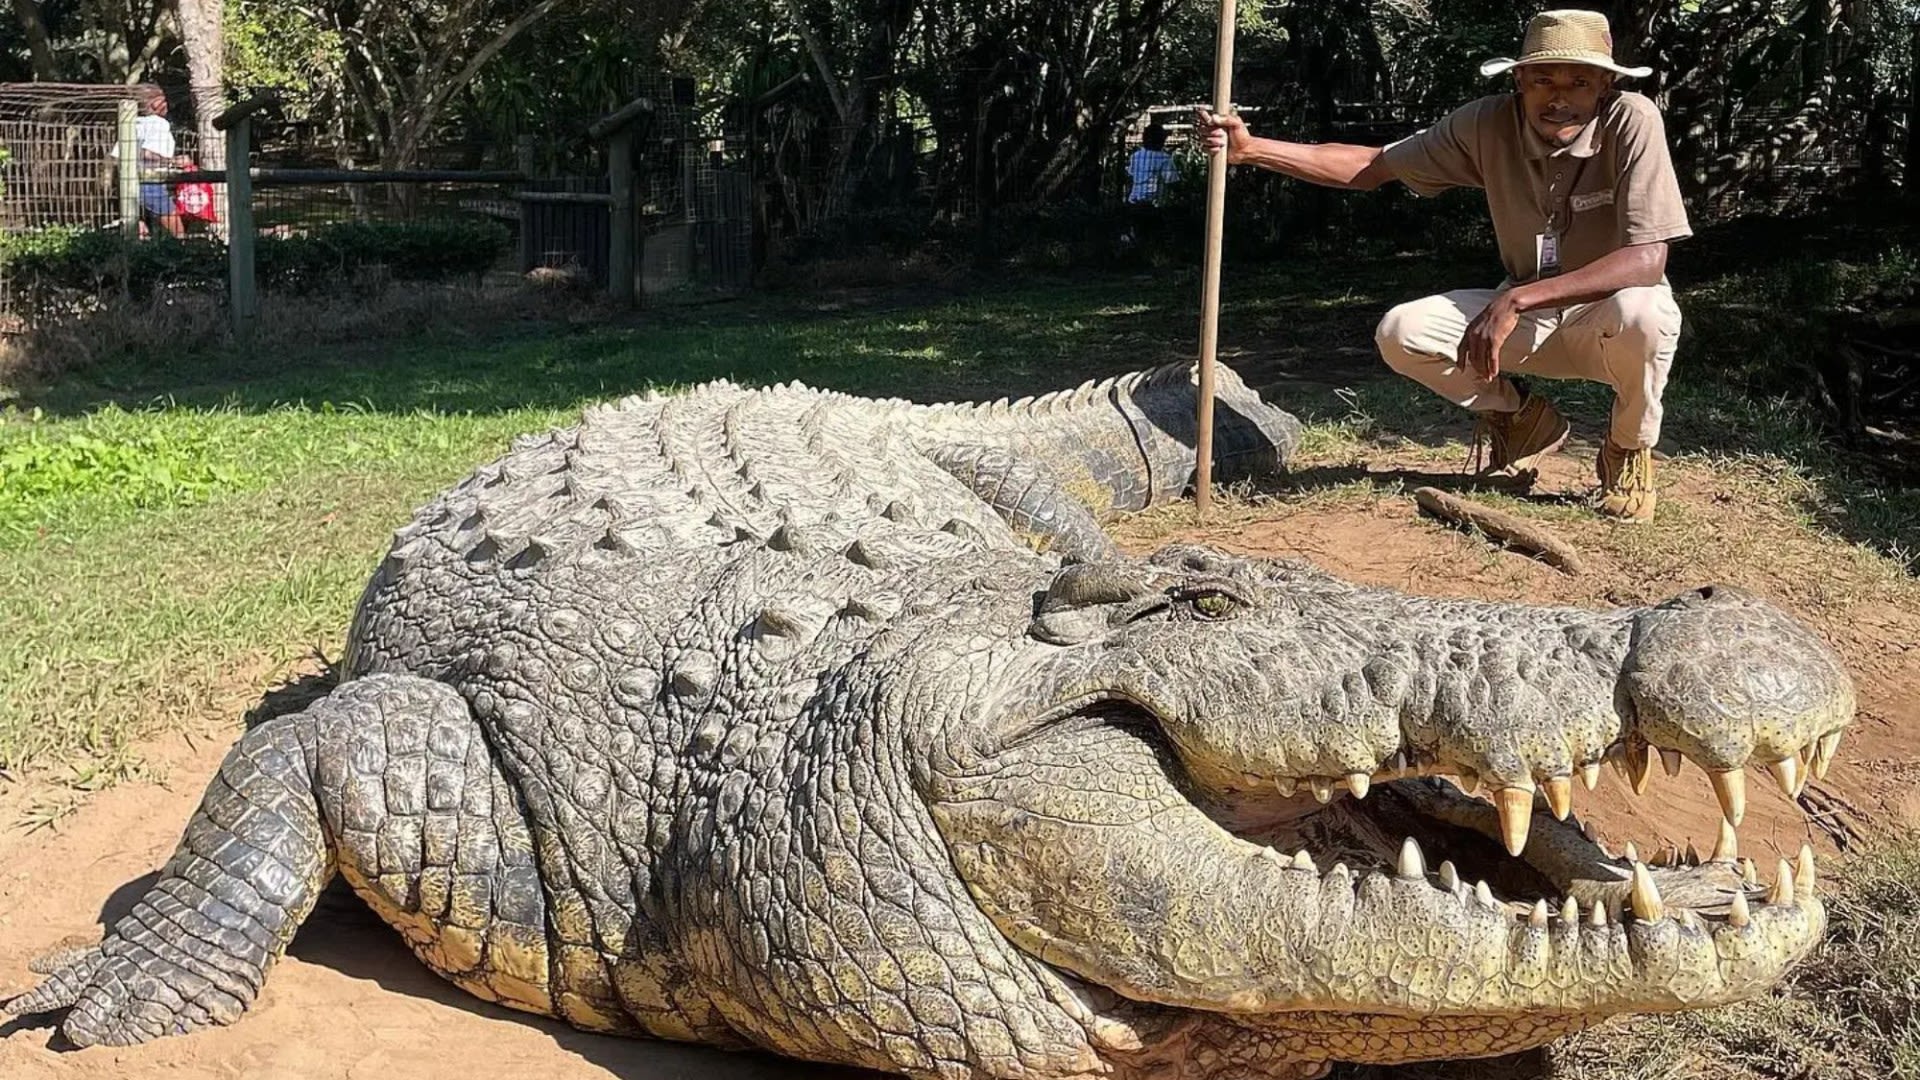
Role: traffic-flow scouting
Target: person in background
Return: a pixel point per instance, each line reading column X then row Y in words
column 1150, row 169
column 153, row 133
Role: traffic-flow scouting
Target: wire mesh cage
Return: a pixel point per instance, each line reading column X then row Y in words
column 62, row 152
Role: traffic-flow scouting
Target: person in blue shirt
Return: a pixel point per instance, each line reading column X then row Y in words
column 1150, row 168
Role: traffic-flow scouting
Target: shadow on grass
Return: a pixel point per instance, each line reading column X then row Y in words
column 995, row 338
column 1300, row 331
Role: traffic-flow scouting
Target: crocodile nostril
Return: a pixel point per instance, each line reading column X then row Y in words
column 1704, row 592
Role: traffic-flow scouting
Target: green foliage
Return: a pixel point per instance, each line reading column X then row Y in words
column 134, row 466
column 273, row 43
column 91, row 261
column 423, row 251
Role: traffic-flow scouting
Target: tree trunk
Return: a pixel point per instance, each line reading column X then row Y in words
column 201, row 34
column 38, row 47
column 1912, row 178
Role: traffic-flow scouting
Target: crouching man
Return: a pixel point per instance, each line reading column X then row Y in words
column 1584, row 202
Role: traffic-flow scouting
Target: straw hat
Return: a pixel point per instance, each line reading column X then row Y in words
column 1566, row 37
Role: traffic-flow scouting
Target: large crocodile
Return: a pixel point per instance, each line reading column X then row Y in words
column 777, row 718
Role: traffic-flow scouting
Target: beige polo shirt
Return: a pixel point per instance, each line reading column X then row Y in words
column 1612, row 188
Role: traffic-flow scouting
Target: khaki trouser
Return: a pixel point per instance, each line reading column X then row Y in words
column 1626, row 341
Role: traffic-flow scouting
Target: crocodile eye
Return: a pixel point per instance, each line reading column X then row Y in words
column 1214, row 605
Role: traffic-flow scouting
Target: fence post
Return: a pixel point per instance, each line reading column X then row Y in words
column 128, row 153
column 243, row 298
column 524, row 164
column 616, row 130
column 243, row 301
column 620, row 223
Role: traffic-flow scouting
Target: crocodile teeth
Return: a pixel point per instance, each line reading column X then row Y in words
column 1304, row 861
column 1670, row 760
column 1782, row 891
column 1645, row 896
column 1570, row 910
column 1449, row 877
column 1828, row 746
column 1631, row 853
column 1587, row 830
column 1287, row 785
column 1749, row 872
column 1516, row 816
column 1803, row 879
column 1484, row 894
column 1359, row 783
column 1786, row 773
column 1560, row 796
column 1693, row 853
column 1598, row 917
column 1412, row 863
column 1538, row 916
column 1322, row 789
column 1640, row 768
column 1730, row 787
column 1590, row 775
column 1737, row 914
column 1727, row 847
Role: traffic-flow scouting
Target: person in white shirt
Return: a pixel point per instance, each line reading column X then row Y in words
column 154, row 136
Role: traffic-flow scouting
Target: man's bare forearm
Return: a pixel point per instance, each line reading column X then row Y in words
column 1339, row 165
column 1623, row 268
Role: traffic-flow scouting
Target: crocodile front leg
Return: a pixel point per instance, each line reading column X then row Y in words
column 387, row 780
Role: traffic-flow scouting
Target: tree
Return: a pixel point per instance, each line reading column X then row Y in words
column 33, row 26
column 406, row 61
column 203, row 38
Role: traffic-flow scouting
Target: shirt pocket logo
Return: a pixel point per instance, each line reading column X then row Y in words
column 1592, row 199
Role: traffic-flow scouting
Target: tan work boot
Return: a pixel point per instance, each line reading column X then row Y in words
column 1626, row 482
column 1516, row 441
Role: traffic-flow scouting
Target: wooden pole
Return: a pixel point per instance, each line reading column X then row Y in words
column 523, row 156
column 1210, row 291
column 243, row 299
column 128, row 152
column 620, row 217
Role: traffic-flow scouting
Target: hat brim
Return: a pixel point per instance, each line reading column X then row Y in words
column 1495, row 67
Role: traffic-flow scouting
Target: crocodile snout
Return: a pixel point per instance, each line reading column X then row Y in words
column 1727, row 679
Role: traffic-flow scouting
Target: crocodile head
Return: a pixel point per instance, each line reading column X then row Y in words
column 1240, row 789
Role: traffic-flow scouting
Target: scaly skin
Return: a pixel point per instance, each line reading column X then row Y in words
column 839, row 728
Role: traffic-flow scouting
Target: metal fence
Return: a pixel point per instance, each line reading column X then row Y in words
column 62, row 152
column 64, row 164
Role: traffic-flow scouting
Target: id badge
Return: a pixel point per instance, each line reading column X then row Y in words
column 1547, row 253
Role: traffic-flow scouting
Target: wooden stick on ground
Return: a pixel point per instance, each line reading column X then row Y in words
column 1502, row 526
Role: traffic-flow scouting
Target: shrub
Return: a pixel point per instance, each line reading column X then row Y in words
column 91, row 262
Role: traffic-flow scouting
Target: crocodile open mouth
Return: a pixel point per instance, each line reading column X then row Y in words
column 1424, row 826
column 1397, row 898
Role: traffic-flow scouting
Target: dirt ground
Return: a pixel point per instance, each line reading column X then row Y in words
column 348, row 1001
